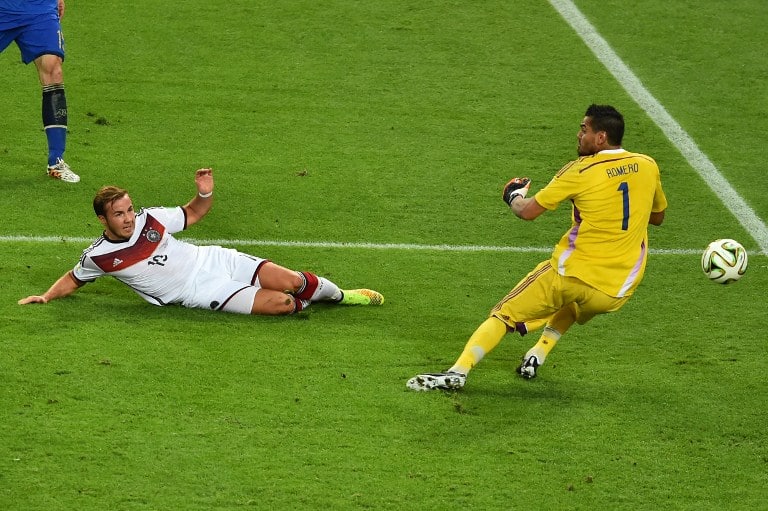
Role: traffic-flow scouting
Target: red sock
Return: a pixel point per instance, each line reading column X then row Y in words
column 310, row 286
column 300, row 305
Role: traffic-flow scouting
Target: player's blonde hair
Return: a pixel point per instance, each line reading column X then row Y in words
column 105, row 196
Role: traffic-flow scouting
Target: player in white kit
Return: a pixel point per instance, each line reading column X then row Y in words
column 139, row 250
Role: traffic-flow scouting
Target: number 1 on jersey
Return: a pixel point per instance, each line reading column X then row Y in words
column 624, row 189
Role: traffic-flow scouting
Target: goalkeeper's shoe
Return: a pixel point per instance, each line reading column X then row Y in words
column 60, row 170
column 527, row 368
column 433, row 381
column 361, row 297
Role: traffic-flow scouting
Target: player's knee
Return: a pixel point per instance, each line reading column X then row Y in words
column 287, row 305
column 295, row 282
column 50, row 70
column 272, row 303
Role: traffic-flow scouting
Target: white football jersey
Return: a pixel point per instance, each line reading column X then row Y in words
column 152, row 262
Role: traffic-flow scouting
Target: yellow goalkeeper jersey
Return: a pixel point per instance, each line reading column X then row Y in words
column 613, row 194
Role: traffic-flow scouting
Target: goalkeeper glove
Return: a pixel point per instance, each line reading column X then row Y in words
column 516, row 187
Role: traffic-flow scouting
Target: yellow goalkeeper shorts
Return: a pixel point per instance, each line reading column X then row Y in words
column 544, row 291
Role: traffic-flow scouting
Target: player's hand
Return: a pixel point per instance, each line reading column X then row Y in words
column 515, row 187
column 204, row 181
column 32, row 299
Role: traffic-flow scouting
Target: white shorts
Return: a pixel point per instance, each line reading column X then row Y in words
column 227, row 280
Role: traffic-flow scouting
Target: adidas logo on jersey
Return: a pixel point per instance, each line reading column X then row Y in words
column 116, row 262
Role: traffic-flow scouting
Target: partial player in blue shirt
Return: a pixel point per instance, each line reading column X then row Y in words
column 35, row 26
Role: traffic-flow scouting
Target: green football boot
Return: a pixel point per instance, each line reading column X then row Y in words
column 361, row 297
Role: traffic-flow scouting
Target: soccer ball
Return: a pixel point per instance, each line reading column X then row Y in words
column 724, row 261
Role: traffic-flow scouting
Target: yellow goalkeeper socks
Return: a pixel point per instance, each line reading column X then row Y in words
column 546, row 342
column 558, row 324
column 487, row 336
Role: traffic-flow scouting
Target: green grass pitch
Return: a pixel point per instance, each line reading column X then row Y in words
column 380, row 129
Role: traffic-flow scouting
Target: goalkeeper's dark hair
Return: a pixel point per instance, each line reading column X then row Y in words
column 606, row 118
column 105, row 196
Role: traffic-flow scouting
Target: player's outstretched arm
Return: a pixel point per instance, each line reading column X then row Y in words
column 65, row 286
column 201, row 204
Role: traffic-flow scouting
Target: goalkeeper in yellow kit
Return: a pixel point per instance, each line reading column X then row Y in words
column 598, row 262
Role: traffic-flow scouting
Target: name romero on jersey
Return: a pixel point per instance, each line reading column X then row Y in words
column 623, row 170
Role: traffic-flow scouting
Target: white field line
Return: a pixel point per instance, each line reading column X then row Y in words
column 330, row 244
column 668, row 125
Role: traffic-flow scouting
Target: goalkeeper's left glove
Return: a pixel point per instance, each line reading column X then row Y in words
column 517, row 187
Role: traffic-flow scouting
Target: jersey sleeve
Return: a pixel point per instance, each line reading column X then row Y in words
column 562, row 187
column 659, row 199
column 86, row 271
column 174, row 219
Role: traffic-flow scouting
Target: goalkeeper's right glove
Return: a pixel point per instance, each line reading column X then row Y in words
column 517, row 187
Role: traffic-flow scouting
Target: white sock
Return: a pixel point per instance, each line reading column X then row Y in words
column 326, row 291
